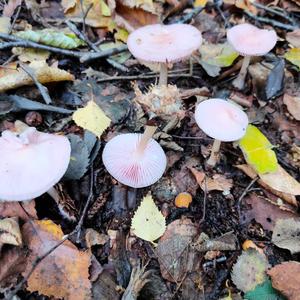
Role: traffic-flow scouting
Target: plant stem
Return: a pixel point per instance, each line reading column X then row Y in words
column 147, row 135
column 163, row 75
column 240, row 80
column 214, row 155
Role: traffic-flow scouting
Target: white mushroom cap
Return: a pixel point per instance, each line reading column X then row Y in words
column 31, row 163
column 164, row 43
column 221, row 120
column 124, row 163
column 249, row 40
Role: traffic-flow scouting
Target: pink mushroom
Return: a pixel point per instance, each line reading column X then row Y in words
column 31, row 163
column 135, row 160
column 248, row 41
column 164, row 44
column 221, row 120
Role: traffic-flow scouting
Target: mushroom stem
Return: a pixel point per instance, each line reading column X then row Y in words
column 240, row 80
column 214, row 155
column 163, row 75
column 147, row 135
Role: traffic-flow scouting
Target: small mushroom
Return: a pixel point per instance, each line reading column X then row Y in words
column 134, row 159
column 221, row 120
column 164, row 44
column 248, row 40
column 31, row 163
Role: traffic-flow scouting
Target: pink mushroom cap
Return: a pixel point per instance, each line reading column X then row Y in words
column 31, row 163
column 131, row 168
column 249, row 40
column 221, row 120
column 164, row 43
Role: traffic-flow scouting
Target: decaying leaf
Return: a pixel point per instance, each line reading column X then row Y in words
column 52, row 38
column 286, row 234
column 293, row 55
column 9, row 8
column 92, row 118
column 286, row 278
column 263, row 291
column 24, row 210
column 293, row 105
column 4, row 24
column 10, row 232
column 294, row 38
column 42, row 71
column 258, row 151
column 148, row 223
column 30, row 54
column 249, row 270
column 93, row 237
column 174, row 256
column 64, row 273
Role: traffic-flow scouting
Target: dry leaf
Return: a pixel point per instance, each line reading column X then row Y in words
column 30, row 54
column 24, row 210
column 174, row 256
column 9, row 8
column 293, row 105
column 93, row 237
column 92, row 118
column 286, row 234
column 4, row 24
column 10, row 232
column 286, row 279
column 148, row 223
column 64, row 273
column 42, row 71
column 294, row 38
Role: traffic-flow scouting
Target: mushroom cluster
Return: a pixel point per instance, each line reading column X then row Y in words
column 31, row 163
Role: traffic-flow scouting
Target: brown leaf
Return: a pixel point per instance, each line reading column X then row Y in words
column 252, row 174
column 174, row 257
column 93, row 237
column 64, row 273
column 24, row 210
column 13, row 263
column 9, row 8
column 286, row 278
column 294, row 38
column 42, row 72
column 10, row 232
column 293, row 104
column 264, row 212
column 286, row 234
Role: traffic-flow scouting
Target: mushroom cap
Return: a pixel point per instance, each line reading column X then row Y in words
column 31, row 163
column 221, row 120
column 131, row 168
column 249, row 40
column 164, row 43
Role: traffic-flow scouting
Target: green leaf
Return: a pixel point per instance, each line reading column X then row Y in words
column 258, row 151
column 52, row 38
column 264, row 291
column 293, row 55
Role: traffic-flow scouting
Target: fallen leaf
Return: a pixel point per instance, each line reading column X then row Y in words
column 281, row 181
column 64, row 273
column 9, row 8
column 264, row 291
column 286, row 234
column 174, row 256
column 294, row 38
column 293, row 105
column 264, row 212
column 249, row 270
column 42, row 71
column 92, row 118
column 286, row 278
column 293, row 55
column 148, row 223
column 30, row 54
column 201, row 3
column 4, row 24
column 24, row 210
column 10, row 232
column 93, row 237
column 258, row 151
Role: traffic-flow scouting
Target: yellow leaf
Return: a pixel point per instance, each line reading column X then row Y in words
column 148, row 223
column 258, row 151
column 200, row 3
column 121, row 35
column 293, row 55
column 91, row 118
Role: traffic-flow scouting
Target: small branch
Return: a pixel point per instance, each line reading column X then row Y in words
column 188, row 17
column 43, row 90
column 15, row 19
column 204, row 202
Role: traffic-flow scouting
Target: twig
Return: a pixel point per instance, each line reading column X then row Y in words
column 15, row 19
column 43, row 90
column 272, row 22
column 188, row 17
column 89, row 199
column 246, row 190
column 204, row 202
